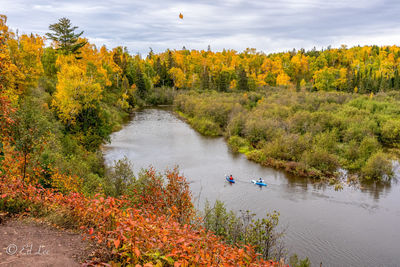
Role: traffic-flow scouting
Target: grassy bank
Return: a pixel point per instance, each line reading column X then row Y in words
column 310, row 134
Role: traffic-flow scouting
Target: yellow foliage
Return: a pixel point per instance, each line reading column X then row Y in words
column 283, row 79
column 155, row 79
column 303, row 84
column 10, row 75
column 233, row 84
column 123, row 103
column 178, row 77
column 341, row 82
column 26, row 53
column 300, row 64
column 66, row 183
column 260, row 80
column 75, row 90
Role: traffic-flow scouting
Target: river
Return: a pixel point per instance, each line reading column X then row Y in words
column 351, row 227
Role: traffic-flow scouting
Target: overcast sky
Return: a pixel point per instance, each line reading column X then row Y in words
column 269, row 25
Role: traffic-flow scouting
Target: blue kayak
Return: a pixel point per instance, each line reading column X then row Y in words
column 258, row 183
column 231, row 181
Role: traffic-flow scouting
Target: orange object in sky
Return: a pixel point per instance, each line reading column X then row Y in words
column 180, row 16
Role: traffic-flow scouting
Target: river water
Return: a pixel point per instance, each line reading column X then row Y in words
column 352, row 227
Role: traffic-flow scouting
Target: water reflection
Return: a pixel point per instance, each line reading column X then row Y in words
column 377, row 189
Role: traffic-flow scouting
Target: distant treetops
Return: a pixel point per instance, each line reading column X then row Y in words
column 367, row 69
column 359, row 69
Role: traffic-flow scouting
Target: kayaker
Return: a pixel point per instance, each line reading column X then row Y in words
column 260, row 180
column 231, row 178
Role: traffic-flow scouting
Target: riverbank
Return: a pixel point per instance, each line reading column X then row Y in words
column 310, row 134
column 307, row 207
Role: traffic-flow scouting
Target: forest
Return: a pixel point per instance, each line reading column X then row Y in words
column 311, row 113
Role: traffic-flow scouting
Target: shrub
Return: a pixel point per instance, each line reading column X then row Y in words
column 205, row 126
column 327, row 141
column 320, row 160
column 378, row 167
column 258, row 128
column 119, row 177
column 257, row 156
column 287, row 147
column 244, row 228
column 294, row 261
column 160, row 96
column 238, row 144
column 368, row 146
column 391, row 132
column 236, row 124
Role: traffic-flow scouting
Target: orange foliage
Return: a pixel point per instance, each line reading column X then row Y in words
column 5, row 116
column 134, row 234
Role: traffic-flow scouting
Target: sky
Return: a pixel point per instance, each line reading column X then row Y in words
column 269, row 26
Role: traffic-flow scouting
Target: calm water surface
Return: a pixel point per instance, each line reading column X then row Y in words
column 352, row 227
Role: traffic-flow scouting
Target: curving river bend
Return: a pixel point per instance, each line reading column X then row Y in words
column 351, row 227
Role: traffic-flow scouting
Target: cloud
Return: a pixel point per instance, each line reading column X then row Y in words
column 267, row 25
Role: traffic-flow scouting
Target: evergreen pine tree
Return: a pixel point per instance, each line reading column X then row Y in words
column 63, row 33
column 396, row 84
column 243, row 84
column 205, row 79
column 140, row 84
column 223, row 81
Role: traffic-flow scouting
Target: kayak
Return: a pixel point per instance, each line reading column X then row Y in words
column 231, row 181
column 258, row 183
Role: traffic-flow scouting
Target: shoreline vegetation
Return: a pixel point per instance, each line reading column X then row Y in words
column 309, row 134
column 309, row 111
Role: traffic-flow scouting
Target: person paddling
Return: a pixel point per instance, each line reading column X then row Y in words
column 230, row 177
column 260, row 180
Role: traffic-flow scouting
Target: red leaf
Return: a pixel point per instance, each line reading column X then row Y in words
column 137, row 252
column 116, row 243
column 91, row 231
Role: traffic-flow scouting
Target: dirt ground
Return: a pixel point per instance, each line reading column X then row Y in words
column 28, row 243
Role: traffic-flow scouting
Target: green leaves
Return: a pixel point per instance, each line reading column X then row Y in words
column 378, row 167
column 63, row 34
column 243, row 229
